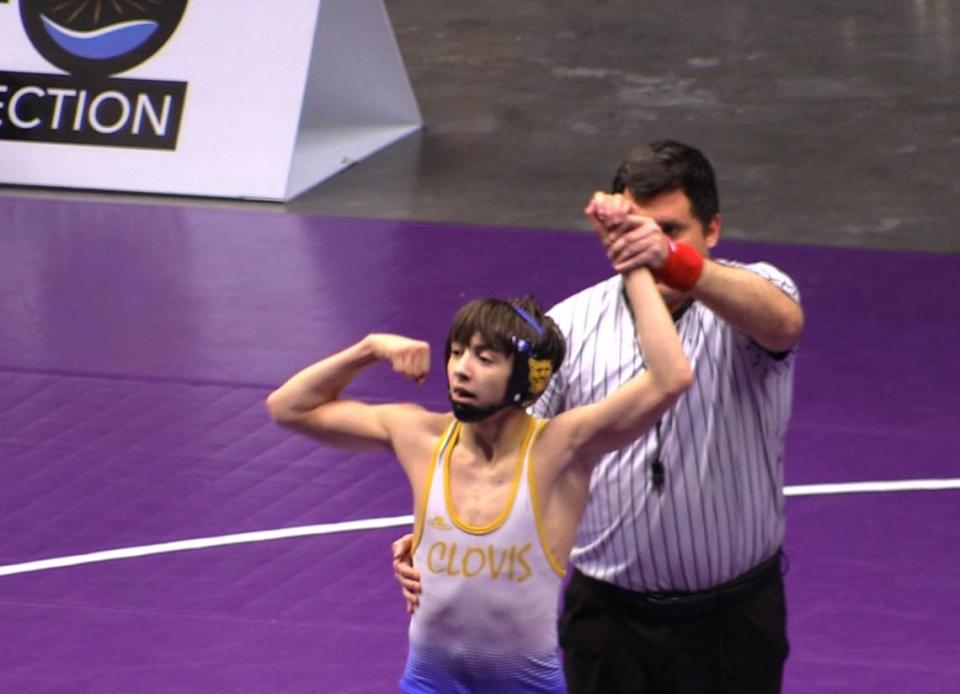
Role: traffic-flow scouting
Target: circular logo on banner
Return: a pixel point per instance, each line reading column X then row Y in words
column 99, row 37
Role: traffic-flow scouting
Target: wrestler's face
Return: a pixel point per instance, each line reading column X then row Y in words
column 478, row 373
column 674, row 213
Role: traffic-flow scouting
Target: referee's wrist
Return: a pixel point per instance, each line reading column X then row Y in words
column 682, row 267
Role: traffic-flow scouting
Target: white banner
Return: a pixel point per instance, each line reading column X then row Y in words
column 225, row 98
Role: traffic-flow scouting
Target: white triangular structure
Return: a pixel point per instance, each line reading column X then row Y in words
column 358, row 97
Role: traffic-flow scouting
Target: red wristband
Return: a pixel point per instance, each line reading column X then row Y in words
column 682, row 268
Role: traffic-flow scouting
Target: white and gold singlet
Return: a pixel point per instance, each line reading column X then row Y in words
column 488, row 610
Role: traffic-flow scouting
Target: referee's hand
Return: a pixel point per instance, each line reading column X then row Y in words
column 407, row 576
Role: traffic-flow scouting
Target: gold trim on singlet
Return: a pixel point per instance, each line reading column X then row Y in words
column 449, row 436
column 559, row 568
column 505, row 513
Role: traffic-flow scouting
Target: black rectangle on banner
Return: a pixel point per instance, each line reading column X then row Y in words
column 73, row 110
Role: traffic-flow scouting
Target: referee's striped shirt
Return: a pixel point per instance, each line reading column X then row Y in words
column 719, row 510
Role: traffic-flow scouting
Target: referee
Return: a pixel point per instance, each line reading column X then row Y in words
column 677, row 584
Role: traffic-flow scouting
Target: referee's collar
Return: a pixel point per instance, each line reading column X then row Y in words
column 676, row 315
column 684, row 307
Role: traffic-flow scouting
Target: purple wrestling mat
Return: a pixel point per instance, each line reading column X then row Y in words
column 137, row 344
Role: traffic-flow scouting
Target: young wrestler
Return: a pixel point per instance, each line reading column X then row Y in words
column 497, row 493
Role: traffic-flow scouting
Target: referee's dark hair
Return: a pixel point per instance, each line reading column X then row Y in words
column 667, row 165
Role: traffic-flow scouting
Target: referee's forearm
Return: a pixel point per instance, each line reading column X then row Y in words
column 752, row 305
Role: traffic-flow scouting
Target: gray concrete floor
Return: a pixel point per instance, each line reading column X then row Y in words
column 829, row 122
column 833, row 122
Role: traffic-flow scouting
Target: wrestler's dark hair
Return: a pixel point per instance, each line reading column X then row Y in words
column 664, row 166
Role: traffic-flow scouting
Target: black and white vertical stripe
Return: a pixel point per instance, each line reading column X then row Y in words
column 720, row 511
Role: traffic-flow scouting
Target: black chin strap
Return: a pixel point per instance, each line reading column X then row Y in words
column 474, row 413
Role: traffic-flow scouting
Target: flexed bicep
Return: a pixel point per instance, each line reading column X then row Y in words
column 349, row 424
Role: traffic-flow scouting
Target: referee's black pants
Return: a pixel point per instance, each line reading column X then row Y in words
column 730, row 640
